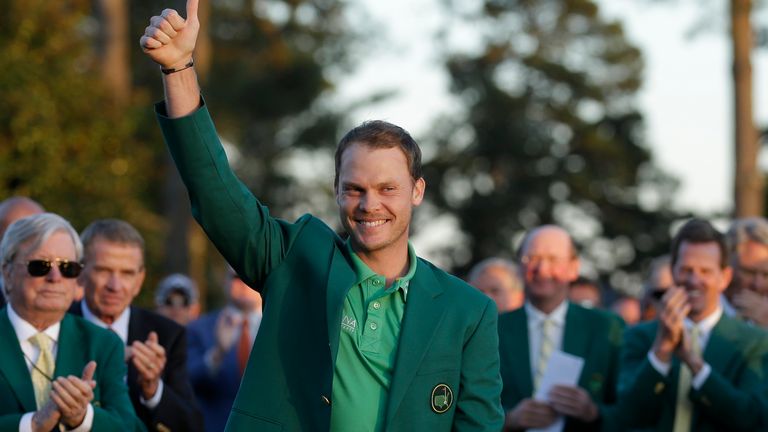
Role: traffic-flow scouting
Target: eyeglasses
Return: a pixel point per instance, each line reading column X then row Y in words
column 40, row 268
column 535, row 260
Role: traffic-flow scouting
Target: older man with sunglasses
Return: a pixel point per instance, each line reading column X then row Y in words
column 56, row 370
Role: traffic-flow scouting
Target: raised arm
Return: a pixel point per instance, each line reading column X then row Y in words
column 169, row 41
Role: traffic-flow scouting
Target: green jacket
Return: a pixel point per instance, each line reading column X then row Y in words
column 79, row 343
column 448, row 333
column 732, row 398
column 590, row 334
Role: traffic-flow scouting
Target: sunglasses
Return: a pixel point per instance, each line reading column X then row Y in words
column 40, row 268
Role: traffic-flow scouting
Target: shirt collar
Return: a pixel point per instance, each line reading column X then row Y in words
column 24, row 330
column 120, row 326
column 557, row 316
column 707, row 324
column 363, row 272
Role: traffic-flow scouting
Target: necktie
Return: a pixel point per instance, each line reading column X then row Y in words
column 244, row 345
column 545, row 350
column 42, row 372
column 684, row 408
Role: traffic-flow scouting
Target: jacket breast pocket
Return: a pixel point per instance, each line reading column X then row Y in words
column 439, row 365
column 240, row 421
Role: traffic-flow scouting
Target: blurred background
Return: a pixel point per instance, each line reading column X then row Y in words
column 616, row 119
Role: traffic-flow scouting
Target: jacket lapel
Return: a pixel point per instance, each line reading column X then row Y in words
column 13, row 365
column 424, row 310
column 517, row 348
column 68, row 360
column 576, row 333
column 340, row 280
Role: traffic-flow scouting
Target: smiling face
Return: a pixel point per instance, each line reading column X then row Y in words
column 698, row 269
column 549, row 265
column 112, row 277
column 751, row 268
column 376, row 195
column 43, row 299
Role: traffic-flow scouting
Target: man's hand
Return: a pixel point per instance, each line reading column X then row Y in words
column 673, row 309
column 169, row 40
column 46, row 418
column 72, row 395
column 528, row 414
column 687, row 355
column 573, row 402
column 227, row 329
column 752, row 306
column 149, row 359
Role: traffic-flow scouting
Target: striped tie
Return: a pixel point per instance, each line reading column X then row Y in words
column 545, row 350
column 684, row 408
column 43, row 369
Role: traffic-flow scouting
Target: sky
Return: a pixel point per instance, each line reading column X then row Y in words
column 686, row 96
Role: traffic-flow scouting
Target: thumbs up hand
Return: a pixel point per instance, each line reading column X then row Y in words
column 169, row 40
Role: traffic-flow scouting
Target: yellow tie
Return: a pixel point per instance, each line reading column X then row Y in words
column 42, row 372
column 684, row 408
column 545, row 350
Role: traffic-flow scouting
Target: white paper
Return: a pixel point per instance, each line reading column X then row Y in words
column 562, row 369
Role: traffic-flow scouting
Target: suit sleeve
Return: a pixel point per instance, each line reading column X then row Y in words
column 177, row 410
column 478, row 406
column 113, row 411
column 235, row 221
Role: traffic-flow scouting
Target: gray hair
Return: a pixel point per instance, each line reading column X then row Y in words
column 746, row 229
column 510, row 267
column 29, row 233
column 114, row 231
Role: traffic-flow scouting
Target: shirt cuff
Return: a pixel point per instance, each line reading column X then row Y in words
column 154, row 400
column 25, row 424
column 699, row 379
column 85, row 426
column 660, row 366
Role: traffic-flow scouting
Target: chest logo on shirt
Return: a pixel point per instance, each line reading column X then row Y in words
column 348, row 324
column 442, row 398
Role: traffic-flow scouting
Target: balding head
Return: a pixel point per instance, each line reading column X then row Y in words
column 15, row 208
column 549, row 263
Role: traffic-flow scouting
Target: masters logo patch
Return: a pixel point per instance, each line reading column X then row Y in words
column 442, row 398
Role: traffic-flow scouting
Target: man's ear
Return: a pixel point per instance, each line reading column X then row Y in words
column 418, row 191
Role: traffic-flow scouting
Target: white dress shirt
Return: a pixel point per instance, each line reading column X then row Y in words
column 535, row 319
column 120, row 327
column 24, row 330
column 705, row 327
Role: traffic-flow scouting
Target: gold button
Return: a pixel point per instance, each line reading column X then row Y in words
column 659, row 387
column 325, row 400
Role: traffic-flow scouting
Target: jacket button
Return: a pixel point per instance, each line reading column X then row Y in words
column 325, row 400
column 658, row 388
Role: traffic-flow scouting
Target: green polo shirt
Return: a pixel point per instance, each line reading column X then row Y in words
column 370, row 329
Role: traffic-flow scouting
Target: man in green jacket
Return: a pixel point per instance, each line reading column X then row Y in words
column 357, row 335
column 548, row 322
column 56, row 370
column 694, row 368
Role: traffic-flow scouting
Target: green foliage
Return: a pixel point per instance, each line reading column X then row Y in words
column 550, row 134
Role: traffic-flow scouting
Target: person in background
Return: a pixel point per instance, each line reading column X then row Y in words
column 11, row 210
column 176, row 298
column 693, row 368
column 547, row 323
column 57, row 371
column 499, row 279
column 219, row 346
column 747, row 295
column 657, row 282
column 628, row 308
column 156, row 346
column 585, row 292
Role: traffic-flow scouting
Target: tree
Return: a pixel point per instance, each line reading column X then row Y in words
column 550, row 134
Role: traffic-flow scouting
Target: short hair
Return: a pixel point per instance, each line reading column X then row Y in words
column 114, row 231
column 29, row 233
column 12, row 204
column 509, row 266
column 654, row 267
column 699, row 231
column 381, row 135
column 746, row 229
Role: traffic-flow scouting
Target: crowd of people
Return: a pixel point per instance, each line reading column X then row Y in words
column 323, row 332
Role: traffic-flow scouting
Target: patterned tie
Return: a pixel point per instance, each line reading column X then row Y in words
column 545, row 350
column 42, row 372
column 684, row 408
column 244, row 345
